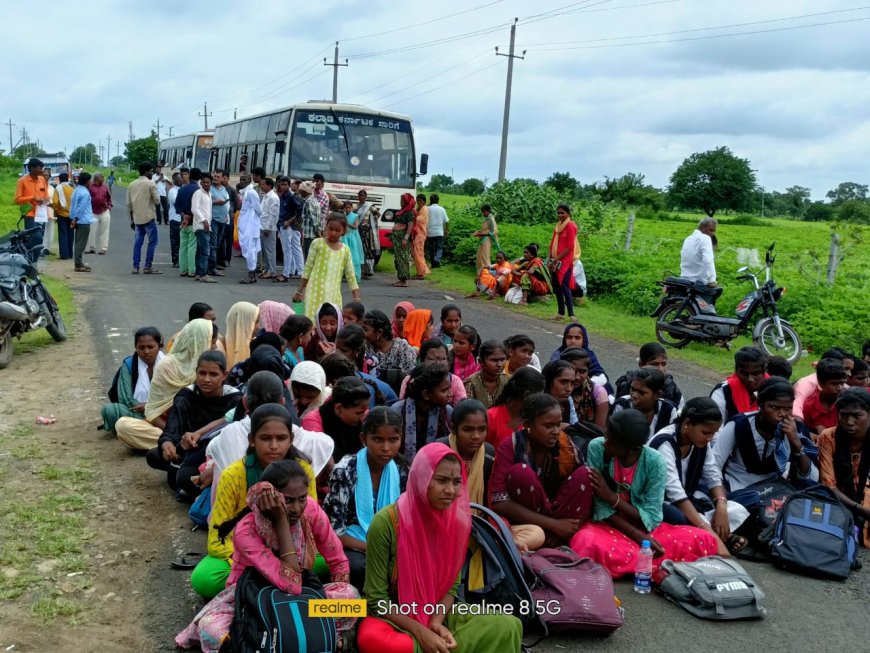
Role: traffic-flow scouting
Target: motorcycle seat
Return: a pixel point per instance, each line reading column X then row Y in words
column 679, row 281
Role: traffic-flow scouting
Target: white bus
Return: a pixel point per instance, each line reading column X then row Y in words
column 352, row 146
column 191, row 150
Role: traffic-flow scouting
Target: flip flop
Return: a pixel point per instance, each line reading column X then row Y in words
column 400, row 284
column 188, row 561
column 736, row 543
column 151, row 271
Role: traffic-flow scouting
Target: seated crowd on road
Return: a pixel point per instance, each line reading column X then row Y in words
column 346, row 448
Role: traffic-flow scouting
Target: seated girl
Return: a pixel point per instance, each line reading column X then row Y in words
column 451, row 320
column 435, row 351
column 242, row 320
column 652, row 354
column 278, row 532
column 196, row 411
column 645, row 395
column 520, row 350
column 176, row 371
column 766, row 444
column 737, row 393
column 559, row 380
column 297, row 332
column 487, row 384
column 495, row 280
column 341, row 417
column 418, row 327
column 400, row 314
column 326, row 327
column 308, row 387
column 538, row 476
column 575, row 335
column 531, row 275
column 389, row 358
column 463, row 355
column 351, row 344
column 629, row 480
column 364, row 482
column 844, row 456
column 270, row 439
column 272, row 316
column 505, row 416
column 426, row 411
column 133, row 379
column 415, row 551
column 352, row 312
column 468, row 439
column 691, row 466
column 590, row 399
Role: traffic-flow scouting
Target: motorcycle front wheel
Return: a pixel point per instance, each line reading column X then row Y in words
column 675, row 313
column 56, row 326
column 7, row 348
column 789, row 346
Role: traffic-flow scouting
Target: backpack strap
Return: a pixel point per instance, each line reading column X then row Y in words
column 488, row 461
column 663, row 416
column 671, row 439
column 730, row 407
column 696, row 461
column 745, row 442
column 132, row 363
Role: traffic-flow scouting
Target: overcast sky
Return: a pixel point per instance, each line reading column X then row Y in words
column 590, row 98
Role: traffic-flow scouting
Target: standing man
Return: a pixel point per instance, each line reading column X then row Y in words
column 225, row 249
column 697, row 262
column 174, row 219
column 322, row 198
column 249, row 226
column 183, row 206
column 48, row 233
column 220, row 209
column 31, row 194
column 81, row 216
column 310, row 216
column 101, row 201
column 61, row 203
column 288, row 219
column 436, row 232
column 270, row 209
column 163, row 191
column 201, row 207
column 142, row 200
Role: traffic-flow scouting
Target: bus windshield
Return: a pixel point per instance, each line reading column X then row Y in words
column 352, row 148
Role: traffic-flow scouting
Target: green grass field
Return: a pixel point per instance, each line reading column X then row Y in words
column 9, row 214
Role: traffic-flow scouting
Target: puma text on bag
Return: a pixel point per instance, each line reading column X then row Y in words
column 713, row 588
column 814, row 534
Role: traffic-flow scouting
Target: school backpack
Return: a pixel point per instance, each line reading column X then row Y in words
column 267, row 619
column 815, row 534
column 503, row 581
column 712, row 588
column 581, row 434
column 134, row 375
column 572, row 594
column 763, row 500
column 200, row 509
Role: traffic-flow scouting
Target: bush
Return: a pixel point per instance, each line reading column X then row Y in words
column 519, row 202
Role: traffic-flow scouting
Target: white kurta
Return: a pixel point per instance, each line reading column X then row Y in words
column 249, row 226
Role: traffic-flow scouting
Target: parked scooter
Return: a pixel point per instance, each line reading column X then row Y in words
column 685, row 316
column 25, row 303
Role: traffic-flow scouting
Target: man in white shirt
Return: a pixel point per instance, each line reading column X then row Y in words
column 174, row 218
column 249, row 226
column 270, row 207
column 200, row 206
column 697, row 262
column 436, row 231
column 163, row 191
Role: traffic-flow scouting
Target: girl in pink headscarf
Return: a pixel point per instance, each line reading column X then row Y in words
column 415, row 549
column 272, row 315
column 400, row 314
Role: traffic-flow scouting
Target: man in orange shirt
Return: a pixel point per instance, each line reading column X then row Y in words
column 32, row 189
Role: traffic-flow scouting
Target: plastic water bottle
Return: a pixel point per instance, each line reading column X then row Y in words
column 643, row 570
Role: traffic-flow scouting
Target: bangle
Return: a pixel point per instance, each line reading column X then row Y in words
column 616, row 503
column 720, row 499
column 289, row 553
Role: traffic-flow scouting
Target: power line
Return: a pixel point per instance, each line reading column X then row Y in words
column 453, row 81
column 426, row 22
column 704, row 29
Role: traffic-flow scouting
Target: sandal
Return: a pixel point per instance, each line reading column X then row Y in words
column 135, row 271
column 82, row 268
column 206, row 279
column 736, row 543
column 151, row 271
column 400, row 284
column 188, row 561
column 248, row 280
column 266, row 275
column 280, row 279
column 184, row 274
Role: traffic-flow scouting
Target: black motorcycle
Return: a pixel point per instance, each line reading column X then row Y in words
column 25, row 303
column 686, row 314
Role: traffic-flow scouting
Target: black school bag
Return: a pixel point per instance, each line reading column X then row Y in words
column 814, row 534
column 267, row 619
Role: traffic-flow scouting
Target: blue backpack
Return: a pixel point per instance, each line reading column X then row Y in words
column 815, row 534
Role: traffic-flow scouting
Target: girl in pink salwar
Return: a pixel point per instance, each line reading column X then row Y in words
column 279, row 535
column 628, row 480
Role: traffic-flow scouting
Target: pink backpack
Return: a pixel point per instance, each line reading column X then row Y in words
column 572, row 594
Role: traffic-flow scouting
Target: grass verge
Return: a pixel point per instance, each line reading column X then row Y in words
column 42, row 551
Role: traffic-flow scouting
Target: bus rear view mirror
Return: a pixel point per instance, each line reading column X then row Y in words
column 424, row 164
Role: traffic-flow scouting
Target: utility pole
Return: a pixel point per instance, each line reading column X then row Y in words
column 335, row 66
column 157, row 126
column 169, row 135
column 102, row 147
column 108, row 147
column 131, row 132
column 235, row 111
column 502, row 162
column 118, row 148
column 205, row 114
column 11, row 125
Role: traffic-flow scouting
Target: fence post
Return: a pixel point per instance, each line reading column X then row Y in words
column 630, row 231
column 833, row 257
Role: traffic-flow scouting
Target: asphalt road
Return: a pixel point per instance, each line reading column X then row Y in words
column 804, row 614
